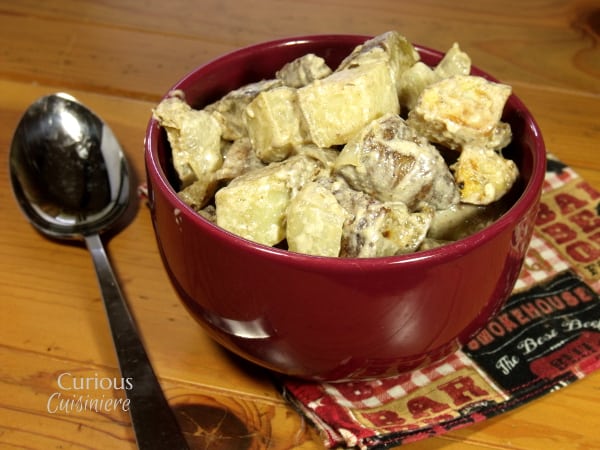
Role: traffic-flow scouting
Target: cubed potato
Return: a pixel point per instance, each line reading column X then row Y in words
column 195, row 138
column 384, row 229
column 413, row 81
column 198, row 194
column 229, row 110
column 391, row 47
column 462, row 220
column 416, row 78
column 315, row 222
column 254, row 205
column 239, row 157
column 325, row 156
column 303, row 70
column 391, row 162
column 454, row 62
column 374, row 228
column 483, row 176
column 338, row 106
column 463, row 110
column 274, row 123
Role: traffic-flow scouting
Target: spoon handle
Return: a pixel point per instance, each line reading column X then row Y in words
column 153, row 421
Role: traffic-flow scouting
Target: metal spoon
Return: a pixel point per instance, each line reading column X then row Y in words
column 70, row 178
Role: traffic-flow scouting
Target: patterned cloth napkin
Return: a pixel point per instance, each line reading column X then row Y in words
column 546, row 337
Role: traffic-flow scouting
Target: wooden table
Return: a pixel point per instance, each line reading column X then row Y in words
column 119, row 57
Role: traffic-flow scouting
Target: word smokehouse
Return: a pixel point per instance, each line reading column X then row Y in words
column 521, row 314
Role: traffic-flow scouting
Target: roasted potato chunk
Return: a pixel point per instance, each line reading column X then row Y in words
column 274, row 123
column 463, row 110
column 315, row 222
column 416, row 78
column 461, row 220
column 374, row 228
column 413, row 81
column 238, row 158
column 254, row 205
column 198, row 194
column 483, row 175
column 384, row 229
column 195, row 138
column 303, row 71
column 389, row 161
column 229, row 110
column 338, row 106
column 454, row 62
column 391, row 48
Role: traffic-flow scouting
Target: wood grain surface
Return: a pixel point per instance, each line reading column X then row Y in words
column 119, row 57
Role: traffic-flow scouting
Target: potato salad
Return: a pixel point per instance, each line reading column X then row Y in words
column 380, row 156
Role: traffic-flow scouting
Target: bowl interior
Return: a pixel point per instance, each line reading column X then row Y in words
column 213, row 80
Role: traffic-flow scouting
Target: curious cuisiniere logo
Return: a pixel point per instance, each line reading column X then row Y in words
column 78, row 394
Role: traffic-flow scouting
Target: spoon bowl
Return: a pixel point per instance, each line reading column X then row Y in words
column 67, row 169
column 71, row 179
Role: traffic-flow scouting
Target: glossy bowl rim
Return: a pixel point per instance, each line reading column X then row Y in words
column 527, row 199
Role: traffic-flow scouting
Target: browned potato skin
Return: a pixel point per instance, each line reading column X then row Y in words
column 391, row 162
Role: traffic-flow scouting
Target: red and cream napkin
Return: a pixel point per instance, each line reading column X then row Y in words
column 546, row 337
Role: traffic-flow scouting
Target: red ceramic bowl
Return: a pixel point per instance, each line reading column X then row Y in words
column 332, row 318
